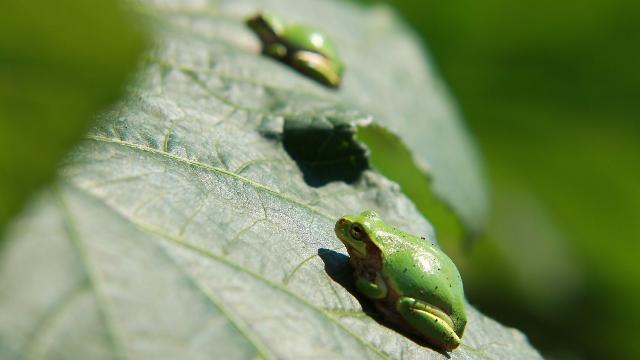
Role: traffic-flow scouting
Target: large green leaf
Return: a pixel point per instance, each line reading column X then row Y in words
column 193, row 223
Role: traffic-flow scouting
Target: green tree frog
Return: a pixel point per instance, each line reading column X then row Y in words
column 306, row 49
column 413, row 283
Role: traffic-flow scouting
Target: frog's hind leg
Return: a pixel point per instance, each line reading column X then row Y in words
column 432, row 323
column 316, row 66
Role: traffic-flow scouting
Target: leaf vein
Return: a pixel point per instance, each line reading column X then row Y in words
column 207, row 254
column 240, row 325
column 74, row 238
column 51, row 316
column 214, row 169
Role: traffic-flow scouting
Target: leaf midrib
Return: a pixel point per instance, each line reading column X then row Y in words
column 214, row 169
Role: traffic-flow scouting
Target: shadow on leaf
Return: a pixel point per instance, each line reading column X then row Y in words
column 325, row 149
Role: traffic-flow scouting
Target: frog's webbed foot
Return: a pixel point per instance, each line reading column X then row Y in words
column 432, row 323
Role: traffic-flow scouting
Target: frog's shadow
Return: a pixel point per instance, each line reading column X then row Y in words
column 336, row 265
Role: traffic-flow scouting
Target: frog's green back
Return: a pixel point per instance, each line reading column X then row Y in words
column 305, row 37
column 426, row 273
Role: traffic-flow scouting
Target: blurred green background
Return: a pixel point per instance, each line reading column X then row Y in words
column 551, row 91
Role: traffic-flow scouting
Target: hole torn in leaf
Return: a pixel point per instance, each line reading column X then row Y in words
column 325, row 149
column 335, row 148
column 389, row 155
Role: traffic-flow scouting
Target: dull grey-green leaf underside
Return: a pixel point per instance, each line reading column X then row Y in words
column 181, row 229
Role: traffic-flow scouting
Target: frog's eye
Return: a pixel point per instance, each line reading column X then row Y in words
column 357, row 232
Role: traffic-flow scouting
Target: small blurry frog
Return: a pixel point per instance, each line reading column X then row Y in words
column 306, row 49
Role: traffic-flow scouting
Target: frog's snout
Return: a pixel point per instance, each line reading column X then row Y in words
column 341, row 227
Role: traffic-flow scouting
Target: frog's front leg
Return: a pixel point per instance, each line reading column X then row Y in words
column 431, row 322
column 375, row 290
column 275, row 50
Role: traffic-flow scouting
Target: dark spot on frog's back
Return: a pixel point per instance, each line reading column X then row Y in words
column 324, row 148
